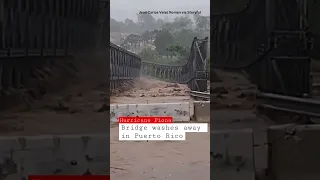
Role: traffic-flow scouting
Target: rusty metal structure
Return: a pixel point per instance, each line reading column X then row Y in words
column 35, row 34
column 193, row 72
column 124, row 66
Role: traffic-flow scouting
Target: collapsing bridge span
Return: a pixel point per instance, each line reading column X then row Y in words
column 125, row 65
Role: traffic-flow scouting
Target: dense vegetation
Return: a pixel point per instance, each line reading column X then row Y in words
column 161, row 40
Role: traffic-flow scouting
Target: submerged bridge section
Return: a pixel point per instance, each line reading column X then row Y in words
column 193, row 72
column 126, row 65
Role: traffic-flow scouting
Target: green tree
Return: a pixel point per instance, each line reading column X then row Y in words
column 185, row 37
column 132, row 40
column 130, row 26
column 179, row 23
column 202, row 23
column 146, row 21
column 167, row 26
column 145, row 36
column 182, row 22
column 178, row 50
column 116, row 26
column 162, row 40
column 159, row 23
column 147, row 54
column 173, row 49
column 153, row 34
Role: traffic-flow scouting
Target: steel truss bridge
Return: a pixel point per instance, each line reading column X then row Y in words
column 127, row 66
column 36, row 34
column 273, row 41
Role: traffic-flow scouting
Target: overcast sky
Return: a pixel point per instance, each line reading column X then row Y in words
column 122, row 9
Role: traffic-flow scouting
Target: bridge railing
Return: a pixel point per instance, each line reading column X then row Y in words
column 124, row 65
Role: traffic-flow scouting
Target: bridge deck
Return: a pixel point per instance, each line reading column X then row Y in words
column 148, row 90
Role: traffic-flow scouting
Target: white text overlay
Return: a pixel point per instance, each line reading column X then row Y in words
column 159, row 132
